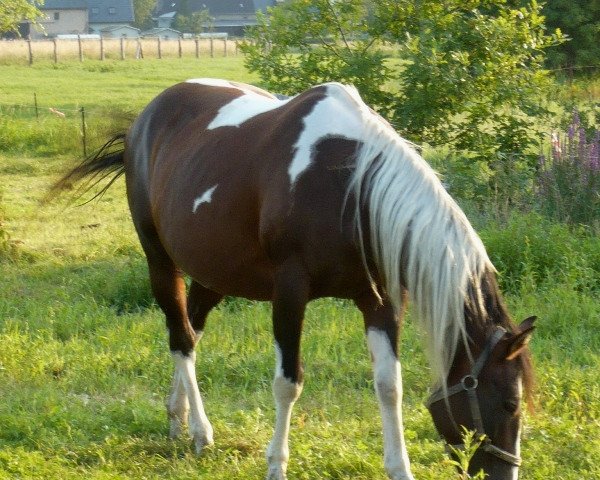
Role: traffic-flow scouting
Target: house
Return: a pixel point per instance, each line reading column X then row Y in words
column 165, row 20
column 165, row 33
column 109, row 13
column 120, row 31
column 229, row 16
column 59, row 17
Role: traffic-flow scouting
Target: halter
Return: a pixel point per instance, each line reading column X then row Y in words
column 469, row 384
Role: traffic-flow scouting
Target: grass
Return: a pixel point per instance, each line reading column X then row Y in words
column 85, row 367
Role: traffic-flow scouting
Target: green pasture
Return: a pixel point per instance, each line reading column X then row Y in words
column 84, row 361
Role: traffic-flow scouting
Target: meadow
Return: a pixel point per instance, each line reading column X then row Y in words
column 84, row 361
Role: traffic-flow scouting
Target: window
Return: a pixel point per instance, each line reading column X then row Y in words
column 95, row 11
column 56, row 15
column 112, row 10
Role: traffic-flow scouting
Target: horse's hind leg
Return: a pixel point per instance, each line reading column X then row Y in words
column 168, row 288
column 382, row 329
column 200, row 302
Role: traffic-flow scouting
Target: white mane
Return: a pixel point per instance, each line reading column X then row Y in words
column 420, row 239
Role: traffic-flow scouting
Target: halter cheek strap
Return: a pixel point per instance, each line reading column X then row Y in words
column 469, row 384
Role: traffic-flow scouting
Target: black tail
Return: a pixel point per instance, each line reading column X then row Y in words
column 107, row 162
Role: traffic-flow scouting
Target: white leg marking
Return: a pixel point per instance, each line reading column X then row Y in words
column 178, row 407
column 388, row 386
column 200, row 427
column 206, row 197
column 286, row 393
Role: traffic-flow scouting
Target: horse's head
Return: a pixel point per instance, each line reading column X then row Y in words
column 484, row 394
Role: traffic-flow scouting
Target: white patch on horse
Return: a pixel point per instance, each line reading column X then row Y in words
column 515, row 470
column 206, row 197
column 254, row 101
column 388, row 386
column 340, row 114
column 243, row 108
column 213, row 82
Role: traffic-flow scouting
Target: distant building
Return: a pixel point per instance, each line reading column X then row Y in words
column 59, row 17
column 229, row 16
column 120, row 31
column 166, row 33
column 105, row 14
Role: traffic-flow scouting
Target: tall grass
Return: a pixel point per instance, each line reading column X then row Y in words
column 568, row 181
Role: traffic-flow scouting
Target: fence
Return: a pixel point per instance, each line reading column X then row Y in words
column 114, row 48
column 65, row 121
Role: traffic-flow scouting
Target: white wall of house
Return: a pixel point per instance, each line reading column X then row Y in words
column 61, row 21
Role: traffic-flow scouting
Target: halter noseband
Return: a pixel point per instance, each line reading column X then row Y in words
column 469, row 384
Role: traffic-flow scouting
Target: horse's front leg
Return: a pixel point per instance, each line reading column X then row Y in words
column 291, row 292
column 382, row 330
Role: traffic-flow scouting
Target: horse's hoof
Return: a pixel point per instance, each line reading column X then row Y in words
column 177, row 429
column 400, row 476
column 276, row 473
column 200, row 442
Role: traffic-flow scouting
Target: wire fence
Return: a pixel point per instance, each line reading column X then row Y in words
column 77, row 117
column 81, row 48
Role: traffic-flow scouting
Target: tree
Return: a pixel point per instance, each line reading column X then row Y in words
column 14, row 12
column 580, row 20
column 462, row 73
column 196, row 22
column 142, row 12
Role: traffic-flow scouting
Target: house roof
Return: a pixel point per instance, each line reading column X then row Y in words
column 153, row 32
column 63, row 5
column 119, row 27
column 100, row 11
column 215, row 7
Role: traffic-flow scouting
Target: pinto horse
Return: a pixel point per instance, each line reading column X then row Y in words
column 292, row 199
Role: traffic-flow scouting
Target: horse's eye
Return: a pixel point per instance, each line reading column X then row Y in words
column 511, row 406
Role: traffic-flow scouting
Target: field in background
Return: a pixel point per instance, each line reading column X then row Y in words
column 84, row 363
column 60, row 50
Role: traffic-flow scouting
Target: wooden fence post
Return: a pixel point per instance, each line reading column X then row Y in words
column 197, row 47
column 122, row 47
column 101, row 47
column 30, row 50
column 212, row 47
column 37, row 114
column 80, row 46
column 159, row 48
column 179, row 46
column 83, row 136
column 140, row 51
column 225, row 47
column 55, row 45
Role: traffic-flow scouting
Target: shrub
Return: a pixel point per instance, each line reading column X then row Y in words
column 531, row 251
column 568, row 181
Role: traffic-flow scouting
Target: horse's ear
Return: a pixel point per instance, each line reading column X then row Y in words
column 520, row 340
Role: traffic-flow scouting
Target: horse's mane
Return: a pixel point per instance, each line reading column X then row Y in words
column 420, row 239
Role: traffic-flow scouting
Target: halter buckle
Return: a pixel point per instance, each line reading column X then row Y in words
column 469, row 382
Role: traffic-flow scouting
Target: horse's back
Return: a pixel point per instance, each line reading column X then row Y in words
column 236, row 182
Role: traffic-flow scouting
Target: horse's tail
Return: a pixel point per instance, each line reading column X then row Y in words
column 107, row 162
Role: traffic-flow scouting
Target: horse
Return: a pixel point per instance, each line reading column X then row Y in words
column 289, row 199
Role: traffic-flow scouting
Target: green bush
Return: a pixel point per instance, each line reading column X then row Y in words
column 531, row 251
